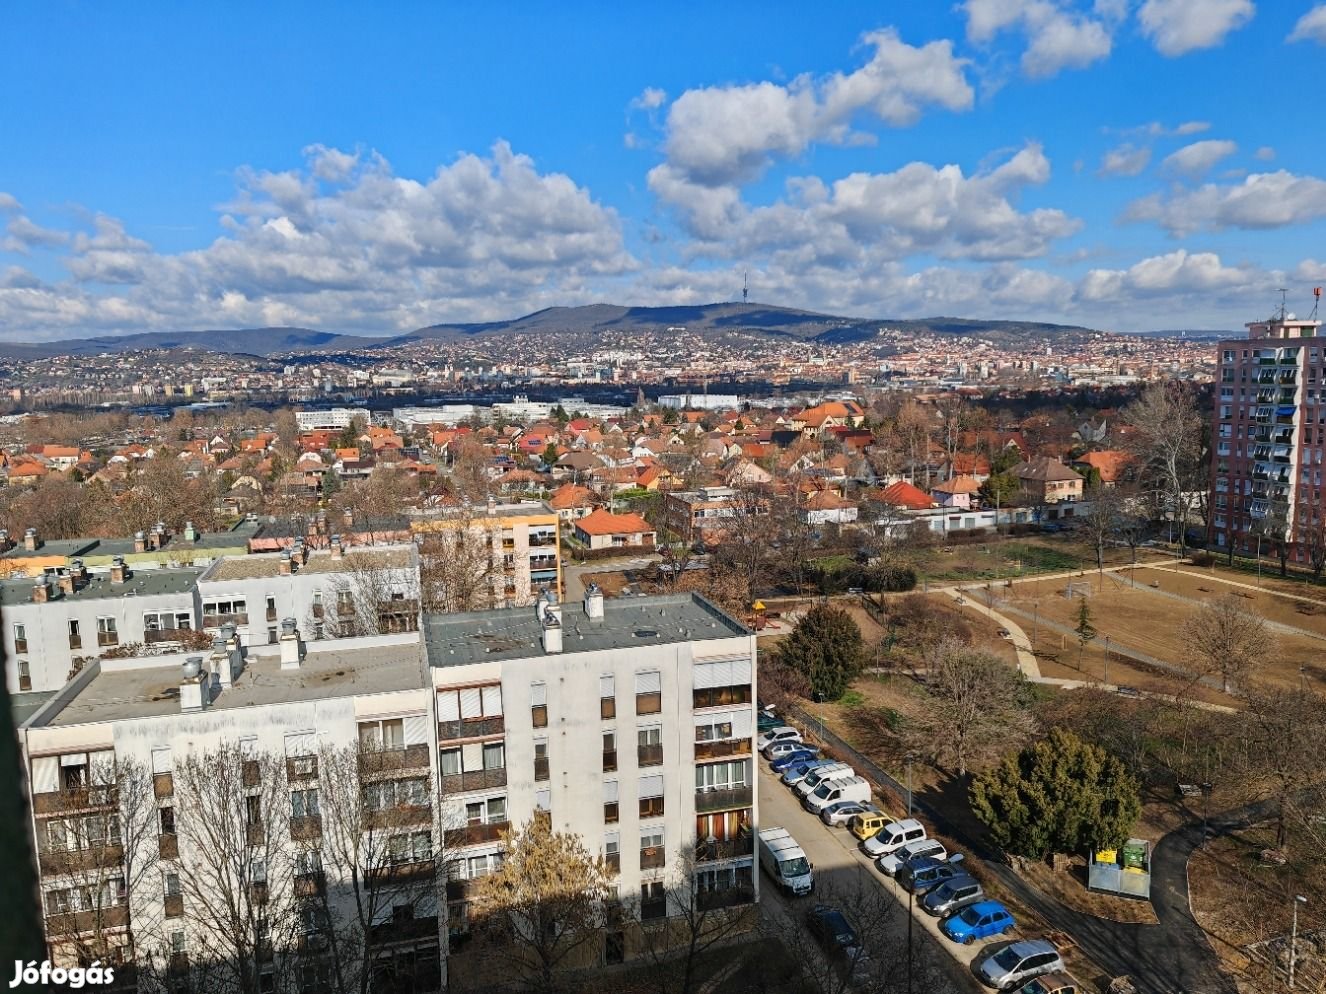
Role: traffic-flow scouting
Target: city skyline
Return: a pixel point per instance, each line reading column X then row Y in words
column 462, row 165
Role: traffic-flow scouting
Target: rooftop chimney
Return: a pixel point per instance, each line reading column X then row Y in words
column 292, row 648
column 30, row 540
column 65, row 580
column 190, row 533
column 287, row 563
column 140, row 542
column 348, row 516
column 552, row 630
column 492, row 504
column 119, row 572
column 593, row 602
column 220, row 661
column 195, row 688
column 337, row 550
column 78, row 571
column 41, row 590
column 4, row 540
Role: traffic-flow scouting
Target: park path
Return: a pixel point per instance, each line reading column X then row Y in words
column 1027, row 664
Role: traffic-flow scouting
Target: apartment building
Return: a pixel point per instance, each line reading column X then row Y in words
column 1268, row 430
column 54, row 621
column 333, row 419
column 508, row 552
column 155, row 548
column 157, row 783
column 705, row 515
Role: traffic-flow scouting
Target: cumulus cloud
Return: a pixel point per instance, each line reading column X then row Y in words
column 1262, row 200
column 344, row 242
column 1264, row 154
column 1196, row 159
column 1311, row 26
column 650, row 99
column 1192, row 127
column 728, row 134
column 1057, row 37
column 22, row 235
column 1176, row 27
column 9, row 203
column 1170, row 275
column 1126, row 160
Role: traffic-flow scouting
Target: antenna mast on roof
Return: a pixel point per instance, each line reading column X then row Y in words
column 1284, row 309
column 745, row 289
column 1316, row 302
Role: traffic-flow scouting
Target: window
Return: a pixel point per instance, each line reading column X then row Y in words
column 543, row 800
column 171, row 884
column 609, row 751
column 491, row 811
column 469, row 704
column 648, row 692
column 607, row 697
column 652, row 856
column 538, row 704
column 166, row 816
column 651, row 796
column 649, row 745
column 308, row 862
column 253, row 810
column 721, row 776
column 20, row 638
column 540, row 759
column 304, row 803
column 494, row 756
column 611, row 812
column 375, row 735
column 165, row 621
column 387, row 794
column 106, row 633
column 75, row 636
column 218, row 611
column 410, row 847
column 449, row 760
column 612, row 851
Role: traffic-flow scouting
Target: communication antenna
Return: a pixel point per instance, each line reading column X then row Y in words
column 745, row 289
column 1283, row 303
column 1316, row 302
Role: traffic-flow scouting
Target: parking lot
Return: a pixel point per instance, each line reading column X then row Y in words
column 839, row 863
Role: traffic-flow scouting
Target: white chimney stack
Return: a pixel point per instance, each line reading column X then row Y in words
column 594, row 602
column 195, row 689
column 220, row 661
column 552, row 631
column 292, row 649
column 30, row 540
column 337, row 549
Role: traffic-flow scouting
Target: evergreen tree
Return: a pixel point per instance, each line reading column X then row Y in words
column 550, row 454
column 1086, row 631
column 1059, row 795
column 827, row 649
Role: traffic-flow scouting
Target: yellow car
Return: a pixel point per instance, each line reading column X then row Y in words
column 863, row 826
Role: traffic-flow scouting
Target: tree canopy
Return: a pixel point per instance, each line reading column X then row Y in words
column 1057, row 795
column 826, row 648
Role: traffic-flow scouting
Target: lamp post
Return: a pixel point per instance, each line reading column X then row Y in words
column 1107, row 660
column 1206, row 798
column 1035, row 621
column 909, row 759
column 1293, row 938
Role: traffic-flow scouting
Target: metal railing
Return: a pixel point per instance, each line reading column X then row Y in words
column 725, row 799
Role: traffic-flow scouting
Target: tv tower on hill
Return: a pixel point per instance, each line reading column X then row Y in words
column 745, row 289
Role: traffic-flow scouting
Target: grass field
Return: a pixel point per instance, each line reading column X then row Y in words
column 1012, row 557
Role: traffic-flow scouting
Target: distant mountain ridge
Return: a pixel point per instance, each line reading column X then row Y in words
column 761, row 319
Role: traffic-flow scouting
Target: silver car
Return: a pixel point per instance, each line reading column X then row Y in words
column 953, row 895
column 1019, row 962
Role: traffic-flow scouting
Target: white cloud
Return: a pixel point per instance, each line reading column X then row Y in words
column 22, row 235
column 1171, row 276
column 1311, row 26
column 1192, row 127
column 651, row 98
column 330, row 164
column 1264, row 154
column 1126, row 160
column 9, row 203
column 1262, row 200
column 1196, row 159
column 728, row 134
column 1058, row 37
column 1177, row 27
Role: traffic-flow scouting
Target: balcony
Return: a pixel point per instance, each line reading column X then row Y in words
column 237, row 618
column 722, row 748
column 75, row 641
column 652, row 858
column 310, row 884
column 471, row 728
column 158, row 635
column 405, row 929
column 301, row 768
column 174, row 905
column 399, row 816
column 168, row 846
column 614, row 862
column 712, row 852
column 80, row 860
column 75, row 799
column 728, row 897
column 655, row 909
column 163, row 784
column 74, row 922
column 540, row 769
column 726, row 799
column 21, row 646
column 609, row 760
column 376, row 761
column 106, row 639
column 473, row 835
column 649, row 755
column 407, row 869
column 305, row 828
column 651, row 807
column 455, row 783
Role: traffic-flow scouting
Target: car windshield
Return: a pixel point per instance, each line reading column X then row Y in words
column 824, row 791
column 1035, row 987
column 797, row 867
column 1008, row 957
column 971, row 916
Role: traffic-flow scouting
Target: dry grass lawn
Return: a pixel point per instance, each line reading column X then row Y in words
column 1069, row 887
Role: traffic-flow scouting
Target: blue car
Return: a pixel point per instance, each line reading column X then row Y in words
column 797, row 771
column 793, row 758
column 978, row 921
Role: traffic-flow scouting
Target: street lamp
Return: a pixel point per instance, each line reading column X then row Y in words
column 1206, row 797
column 1035, row 621
column 909, row 759
column 1293, row 938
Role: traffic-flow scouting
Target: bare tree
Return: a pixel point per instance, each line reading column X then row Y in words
column 1168, row 443
column 461, row 561
column 375, row 592
column 1226, row 637
column 974, row 712
column 1102, row 521
column 235, row 813
column 913, row 429
column 545, row 904
column 1282, row 749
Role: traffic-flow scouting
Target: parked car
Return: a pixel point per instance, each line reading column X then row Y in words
column 894, row 835
column 953, row 895
column 776, row 750
column 797, row 772
column 1052, row 983
column 894, row 861
column 923, row 873
column 848, row 788
column 766, row 720
column 779, row 733
column 1018, row 962
column 832, row 930
column 789, row 759
column 811, row 781
column 977, row 921
column 866, row 824
column 842, row 812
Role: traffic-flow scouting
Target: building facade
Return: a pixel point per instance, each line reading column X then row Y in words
column 501, row 554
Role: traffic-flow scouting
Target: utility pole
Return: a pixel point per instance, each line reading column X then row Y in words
column 909, row 759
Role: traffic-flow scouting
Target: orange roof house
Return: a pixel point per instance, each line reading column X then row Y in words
column 904, row 494
column 604, row 530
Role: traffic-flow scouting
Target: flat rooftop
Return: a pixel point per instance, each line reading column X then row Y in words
column 233, row 538
column 120, row 695
column 141, row 583
column 52, row 547
column 628, row 622
column 478, row 512
column 258, row 566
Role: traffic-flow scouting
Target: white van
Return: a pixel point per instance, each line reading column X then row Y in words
column 894, row 835
column 811, row 781
column 785, row 861
column 852, row 788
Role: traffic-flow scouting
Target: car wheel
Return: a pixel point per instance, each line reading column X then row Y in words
column 968, row 939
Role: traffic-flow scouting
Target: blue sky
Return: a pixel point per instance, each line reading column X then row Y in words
column 1126, row 164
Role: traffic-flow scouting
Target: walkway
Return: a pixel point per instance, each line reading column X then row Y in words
column 1027, row 664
